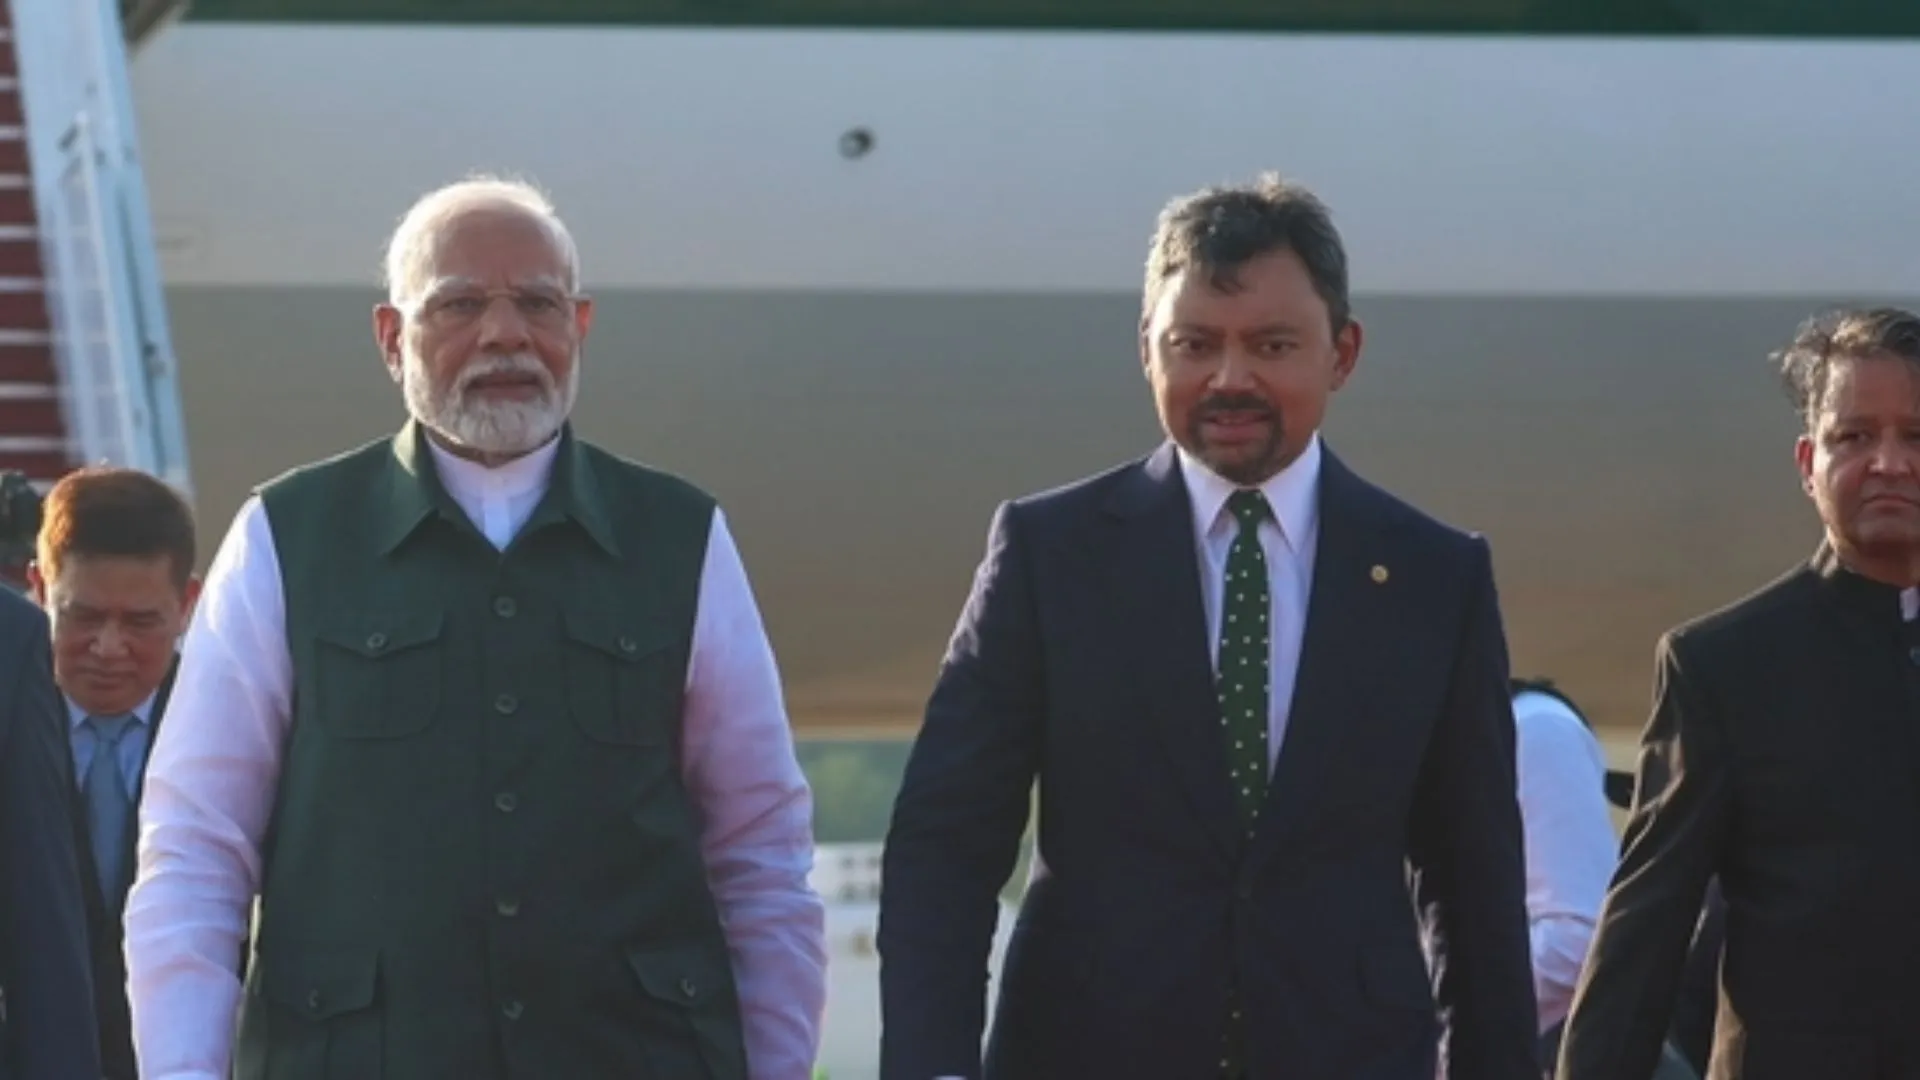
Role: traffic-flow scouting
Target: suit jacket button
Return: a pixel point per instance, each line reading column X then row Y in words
column 688, row 988
column 376, row 641
column 313, row 1000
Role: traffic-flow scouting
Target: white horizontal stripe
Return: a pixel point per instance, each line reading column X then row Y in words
column 31, row 444
column 700, row 158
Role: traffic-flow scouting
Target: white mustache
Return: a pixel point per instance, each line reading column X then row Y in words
column 512, row 364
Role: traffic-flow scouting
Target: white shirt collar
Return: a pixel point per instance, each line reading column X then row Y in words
column 468, row 480
column 1293, row 493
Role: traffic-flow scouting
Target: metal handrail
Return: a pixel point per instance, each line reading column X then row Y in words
column 112, row 341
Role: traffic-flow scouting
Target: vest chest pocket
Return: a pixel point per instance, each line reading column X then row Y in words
column 378, row 676
column 619, row 680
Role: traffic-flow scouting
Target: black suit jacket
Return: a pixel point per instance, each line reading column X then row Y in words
column 1691, row 1032
column 105, row 917
column 1081, row 659
column 1783, row 754
column 47, row 1027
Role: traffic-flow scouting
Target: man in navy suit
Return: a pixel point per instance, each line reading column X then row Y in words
column 114, row 571
column 1257, row 693
column 46, row 989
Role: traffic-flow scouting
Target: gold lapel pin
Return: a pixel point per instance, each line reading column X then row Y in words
column 1379, row 575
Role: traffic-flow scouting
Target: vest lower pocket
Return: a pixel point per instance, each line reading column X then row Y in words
column 317, row 1018
column 688, row 1013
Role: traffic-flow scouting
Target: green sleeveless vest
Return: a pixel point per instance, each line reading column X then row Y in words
column 482, row 862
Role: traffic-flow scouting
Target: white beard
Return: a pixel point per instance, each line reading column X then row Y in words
column 505, row 428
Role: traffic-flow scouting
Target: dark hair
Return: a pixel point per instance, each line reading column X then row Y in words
column 1845, row 333
column 1220, row 229
column 107, row 511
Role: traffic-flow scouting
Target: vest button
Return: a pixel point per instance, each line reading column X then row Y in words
column 688, row 988
column 627, row 644
column 506, row 801
column 313, row 1000
column 512, row 1010
column 376, row 641
column 507, row 906
column 505, row 704
column 503, row 606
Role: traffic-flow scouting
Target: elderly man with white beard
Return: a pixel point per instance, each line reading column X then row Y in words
column 485, row 721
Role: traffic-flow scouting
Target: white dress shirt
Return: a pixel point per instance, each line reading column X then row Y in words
column 1571, row 849
column 1289, row 540
column 214, row 767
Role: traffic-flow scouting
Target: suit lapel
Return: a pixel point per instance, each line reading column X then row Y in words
column 1154, row 576
column 154, row 717
column 1345, row 606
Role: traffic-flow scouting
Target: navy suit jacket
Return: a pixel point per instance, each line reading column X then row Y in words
column 1081, row 661
column 47, row 1028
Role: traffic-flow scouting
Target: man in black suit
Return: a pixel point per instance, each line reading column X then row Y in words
column 114, row 570
column 1783, row 757
column 1195, row 909
column 46, row 988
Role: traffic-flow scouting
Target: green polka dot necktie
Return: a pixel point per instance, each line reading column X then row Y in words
column 1244, row 656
